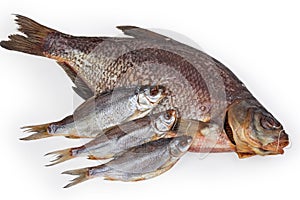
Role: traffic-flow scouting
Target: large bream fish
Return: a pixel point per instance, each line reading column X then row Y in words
column 214, row 106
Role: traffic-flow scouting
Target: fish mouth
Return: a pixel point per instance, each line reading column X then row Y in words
column 277, row 147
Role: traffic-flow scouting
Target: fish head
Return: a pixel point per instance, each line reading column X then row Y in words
column 149, row 96
column 255, row 131
column 165, row 121
column 180, row 145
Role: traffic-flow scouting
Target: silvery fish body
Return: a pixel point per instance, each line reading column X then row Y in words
column 101, row 112
column 138, row 163
column 120, row 138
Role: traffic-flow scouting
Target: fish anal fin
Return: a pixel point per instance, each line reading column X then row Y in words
column 139, row 179
column 73, row 137
column 92, row 157
column 82, row 89
column 141, row 33
column 107, row 178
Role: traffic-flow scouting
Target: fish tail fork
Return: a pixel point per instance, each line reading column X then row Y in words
column 39, row 132
column 34, row 39
column 82, row 175
column 61, row 156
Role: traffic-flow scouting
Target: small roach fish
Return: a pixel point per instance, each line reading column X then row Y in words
column 214, row 107
column 138, row 163
column 120, row 138
column 101, row 112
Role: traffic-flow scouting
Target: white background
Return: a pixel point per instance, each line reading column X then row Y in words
column 258, row 41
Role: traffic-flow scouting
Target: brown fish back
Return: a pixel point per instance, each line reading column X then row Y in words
column 200, row 86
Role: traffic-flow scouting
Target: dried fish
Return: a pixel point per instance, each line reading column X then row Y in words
column 122, row 137
column 139, row 163
column 101, row 112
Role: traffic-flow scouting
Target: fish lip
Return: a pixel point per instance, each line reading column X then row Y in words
column 277, row 147
column 284, row 140
column 274, row 148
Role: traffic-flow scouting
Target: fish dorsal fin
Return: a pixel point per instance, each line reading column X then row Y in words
column 82, row 89
column 141, row 33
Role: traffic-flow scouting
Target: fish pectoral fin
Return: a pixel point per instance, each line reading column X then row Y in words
column 141, row 33
column 82, row 89
column 83, row 93
column 170, row 134
column 136, row 115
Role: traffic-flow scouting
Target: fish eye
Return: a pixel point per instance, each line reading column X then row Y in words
column 154, row 91
column 269, row 123
column 183, row 143
column 167, row 115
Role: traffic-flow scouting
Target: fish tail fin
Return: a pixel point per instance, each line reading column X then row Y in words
column 82, row 175
column 39, row 132
column 61, row 156
column 33, row 41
